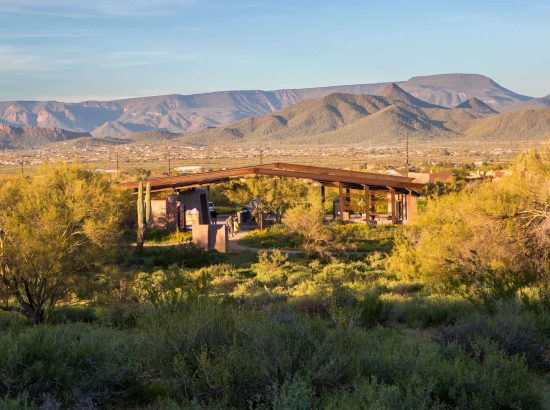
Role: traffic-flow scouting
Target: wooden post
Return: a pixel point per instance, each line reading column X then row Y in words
column 366, row 199
column 411, row 208
column 392, row 194
column 341, row 200
column 323, row 197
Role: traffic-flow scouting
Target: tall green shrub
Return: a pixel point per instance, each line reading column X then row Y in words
column 486, row 240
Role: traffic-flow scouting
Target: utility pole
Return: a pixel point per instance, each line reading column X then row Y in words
column 261, row 156
column 407, row 156
column 22, row 165
column 169, row 164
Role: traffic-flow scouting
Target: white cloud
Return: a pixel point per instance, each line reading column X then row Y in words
column 83, row 8
column 14, row 59
column 20, row 60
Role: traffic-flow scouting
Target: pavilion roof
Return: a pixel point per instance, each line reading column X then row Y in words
column 325, row 176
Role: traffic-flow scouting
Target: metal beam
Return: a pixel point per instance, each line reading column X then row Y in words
column 350, row 179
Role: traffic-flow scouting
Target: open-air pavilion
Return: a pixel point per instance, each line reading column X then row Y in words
column 398, row 192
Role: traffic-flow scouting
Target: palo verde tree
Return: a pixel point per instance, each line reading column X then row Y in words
column 56, row 229
column 492, row 238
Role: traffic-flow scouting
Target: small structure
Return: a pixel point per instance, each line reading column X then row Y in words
column 181, row 210
column 431, row 177
column 211, row 237
column 397, row 192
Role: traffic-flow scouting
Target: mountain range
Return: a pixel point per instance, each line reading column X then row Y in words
column 387, row 118
column 434, row 106
column 28, row 136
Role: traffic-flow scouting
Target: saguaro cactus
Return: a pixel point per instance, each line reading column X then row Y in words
column 148, row 211
column 140, row 217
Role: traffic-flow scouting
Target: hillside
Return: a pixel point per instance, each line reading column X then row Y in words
column 477, row 105
column 27, row 137
column 450, row 90
column 514, row 126
column 348, row 118
column 181, row 113
column 533, row 104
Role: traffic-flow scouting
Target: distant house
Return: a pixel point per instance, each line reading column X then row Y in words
column 190, row 169
column 492, row 174
column 431, row 177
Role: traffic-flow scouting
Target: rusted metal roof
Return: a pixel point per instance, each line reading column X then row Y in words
column 323, row 175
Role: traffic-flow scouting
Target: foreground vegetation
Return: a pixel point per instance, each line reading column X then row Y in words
column 280, row 334
column 451, row 313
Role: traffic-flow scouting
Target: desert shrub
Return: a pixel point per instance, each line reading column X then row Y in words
column 172, row 284
column 364, row 238
column 536, row 298
column 271, row 267
column 516, row 332
column 66, row 314
column 406, row 288
column 479, row 379
column 374, row 395
column 21, row 402
column 295, row 394
column 226, row 284
column 340, row 272
column 306, row 221
column 486, row 242
column 71, row 364
column 204, row 353
column 311, row 304
column 275, row 236
column 417, row 311
column 371, row 309
column 11, row 321
column 121, row 315
column 184, row 255
column 162, row 236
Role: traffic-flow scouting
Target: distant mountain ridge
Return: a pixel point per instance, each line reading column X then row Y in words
column 29, row 137
column 183, row 113
column 344, row 119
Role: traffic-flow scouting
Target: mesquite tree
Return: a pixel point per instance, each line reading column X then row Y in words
column 56, row 229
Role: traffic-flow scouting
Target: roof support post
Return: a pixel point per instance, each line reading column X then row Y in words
column 411, row 208
column 340, row 200
column 366, row 200
column 392, row 197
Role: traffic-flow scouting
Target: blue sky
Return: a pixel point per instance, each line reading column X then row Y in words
column 73, row 50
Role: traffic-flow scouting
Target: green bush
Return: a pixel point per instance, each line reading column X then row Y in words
column 162, row 257
column 275, row 236
column 516, row 332
column 20, row 402
column 67, row 314
column 272, row 267
column 71, row 364
column 12, row 322
column 485, row 242
column 162, row 236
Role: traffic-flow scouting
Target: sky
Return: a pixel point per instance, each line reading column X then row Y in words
column 74, row 50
